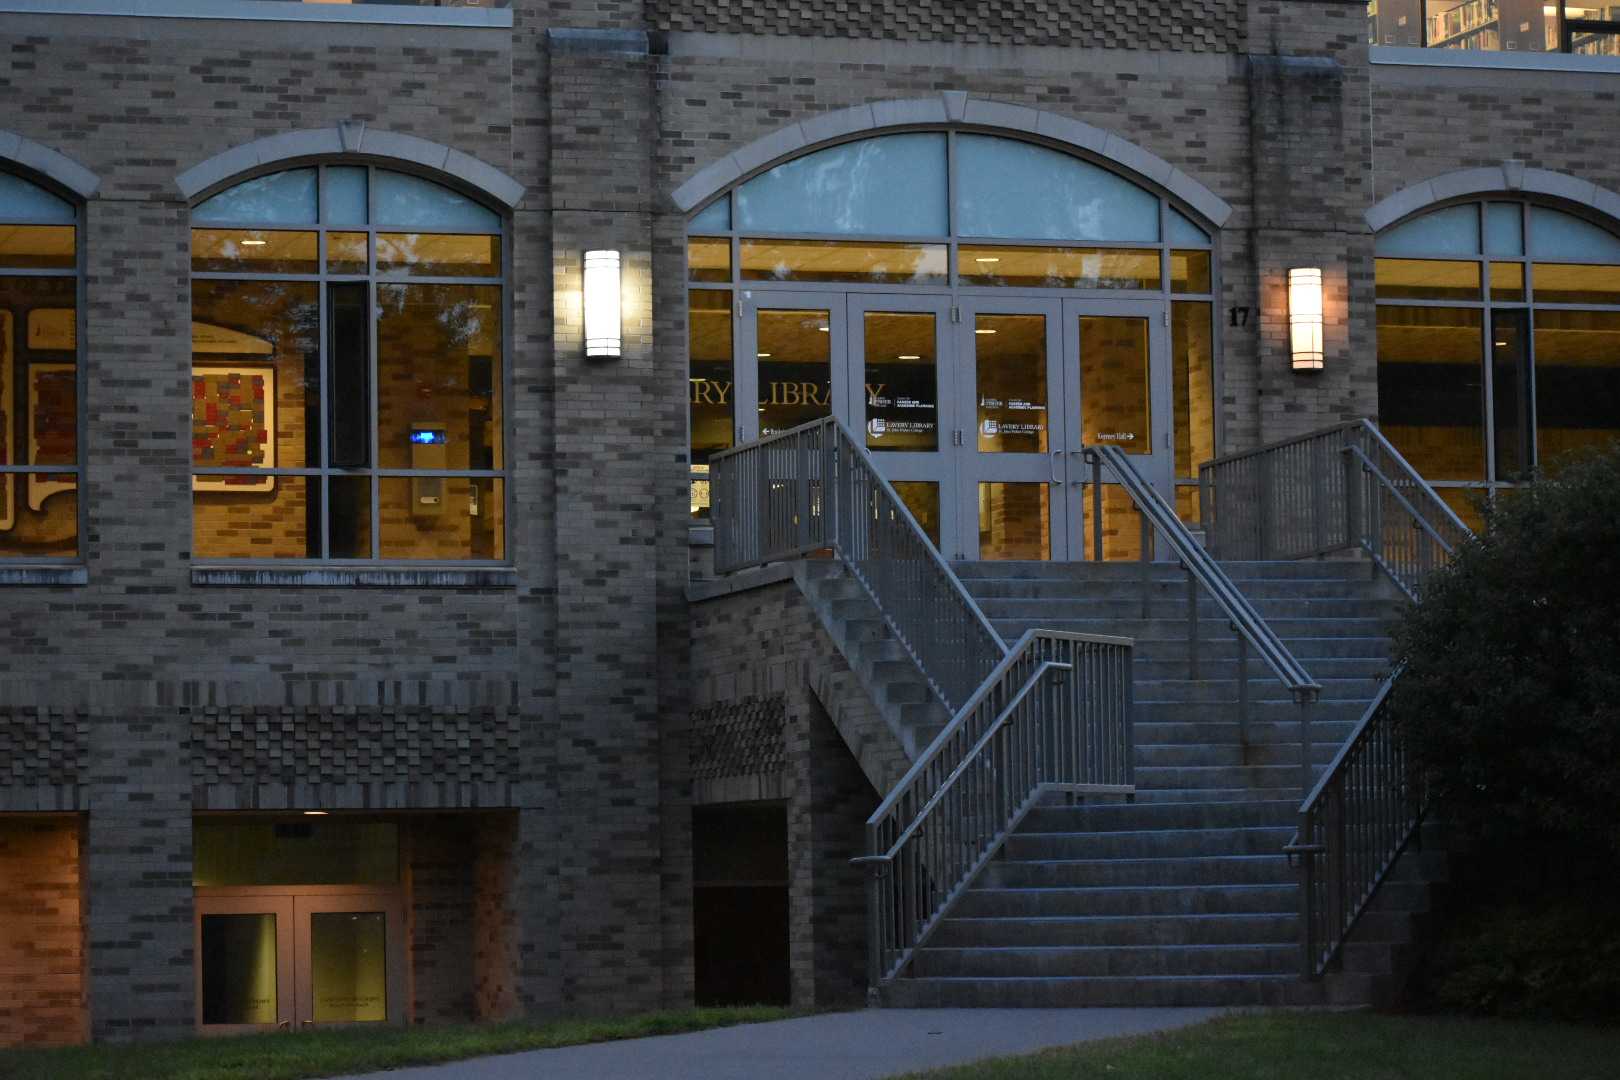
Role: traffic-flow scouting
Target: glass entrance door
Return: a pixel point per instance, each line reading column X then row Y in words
column 791, row 360
column 296, row 960
column 900, row 380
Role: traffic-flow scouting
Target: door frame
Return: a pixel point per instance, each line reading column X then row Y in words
column 236, row 901
column 746, row 373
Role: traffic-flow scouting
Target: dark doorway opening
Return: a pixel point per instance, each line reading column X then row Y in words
column 740, row 904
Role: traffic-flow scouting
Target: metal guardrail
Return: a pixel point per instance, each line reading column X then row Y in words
column 1055, row 715
column 1337, row 488
column 1341, row 487
column 1160, row 518
column 815, row 488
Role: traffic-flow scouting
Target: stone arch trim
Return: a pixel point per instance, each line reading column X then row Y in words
column 354, row 138
column 36, row 157
column 1510, row 176
column 951, row 107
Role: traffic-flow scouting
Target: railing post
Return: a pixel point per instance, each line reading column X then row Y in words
column 1335, row 862
column 1307, row 887
column 1318, row 496
column 1263, row 504
column 1352, row 495
column 1192, row 625
column 1096, row 507
column 1303, row 703
column 1205, row 517
column 1145, row 556
column 1243, row 687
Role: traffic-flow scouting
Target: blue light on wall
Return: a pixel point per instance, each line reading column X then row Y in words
column 427, row 438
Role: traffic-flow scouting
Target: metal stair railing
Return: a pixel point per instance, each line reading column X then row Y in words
column 1158, row 517
column 1290, row 500
column 1055, row 715
column 815, row 488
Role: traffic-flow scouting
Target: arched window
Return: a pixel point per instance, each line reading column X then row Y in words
column 979, row 305
column 347, row 370
column 1498, row 340
column 39, row 373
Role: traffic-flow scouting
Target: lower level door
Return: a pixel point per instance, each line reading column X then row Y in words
column 244, row 951
column 350, row 959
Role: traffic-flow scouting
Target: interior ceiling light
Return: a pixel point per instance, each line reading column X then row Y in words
column 908, row 356
column 982, row 330
column 315, row 813
column 986, row 259
column 254, row 243
column 763, row 355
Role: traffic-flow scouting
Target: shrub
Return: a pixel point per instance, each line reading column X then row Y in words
column 1511, row 696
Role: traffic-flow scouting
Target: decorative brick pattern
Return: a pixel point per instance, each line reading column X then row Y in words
column 1184, row 25
column 42, row 746
column 739, row 738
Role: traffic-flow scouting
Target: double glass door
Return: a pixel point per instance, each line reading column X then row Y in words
column 296, row 960
column 976, row 408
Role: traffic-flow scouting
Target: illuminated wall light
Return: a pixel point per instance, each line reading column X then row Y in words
column 603, row 333
column 1305, row 317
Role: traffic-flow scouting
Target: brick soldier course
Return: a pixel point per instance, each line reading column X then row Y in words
column 543, row 732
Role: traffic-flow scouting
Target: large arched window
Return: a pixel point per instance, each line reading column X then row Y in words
column 347, row 370
column 1498, row 340
column 39, row 373
column 956, row 294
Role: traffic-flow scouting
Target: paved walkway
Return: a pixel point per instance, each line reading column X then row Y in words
column 861, row 1045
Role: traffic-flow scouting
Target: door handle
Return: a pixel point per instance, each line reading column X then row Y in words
column 1081, row 454
column 1055, row 455
column 284, row 1025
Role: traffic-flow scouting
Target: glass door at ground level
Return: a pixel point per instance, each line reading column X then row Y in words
column 295, row 961
column 900, row 377
column 791, row 362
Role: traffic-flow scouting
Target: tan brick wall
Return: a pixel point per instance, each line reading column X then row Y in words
column 42, row 932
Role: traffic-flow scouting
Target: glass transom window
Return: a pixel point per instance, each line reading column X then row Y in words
column 1498, row 340
column 39, row 374
column 347, row 370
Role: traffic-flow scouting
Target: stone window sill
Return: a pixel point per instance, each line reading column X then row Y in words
column 271, row 11
column 44, row 575
column 410, row 577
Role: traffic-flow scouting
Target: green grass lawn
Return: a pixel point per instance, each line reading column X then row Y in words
column 1325, row 1046
column 329, row 1053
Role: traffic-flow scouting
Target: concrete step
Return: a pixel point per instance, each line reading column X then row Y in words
column 1275, row 958
column 1167, row 592
column 1210, row 629
column 1151, row 731
column 1266, row 687
column 1163, row 991
column 1129, row 611
column 1280, row 570
column 1276, row 926
column 1147, row 844
column 1131, row 817
column 983, row 901
column 1200, row 781
column 1223, row 647
column 1276, row 716
column 1147, row 664
column 1217, row 870
column 1206, row 755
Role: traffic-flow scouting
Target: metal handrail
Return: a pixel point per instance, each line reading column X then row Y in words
column 815, row 487
column 1055, row 715
column 1251, row 628
column 1288, row 499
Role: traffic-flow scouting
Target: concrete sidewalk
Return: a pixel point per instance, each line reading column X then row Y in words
column 862, row 1045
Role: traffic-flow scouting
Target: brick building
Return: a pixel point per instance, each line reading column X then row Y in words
column 411, row 673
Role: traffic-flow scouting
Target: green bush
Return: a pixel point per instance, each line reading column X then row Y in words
column 1511, row 696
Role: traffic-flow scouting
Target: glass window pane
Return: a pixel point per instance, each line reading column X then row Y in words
column 1114, row 383
column 1504, row 229
column 922, row 499
column 283, row 198
column 38, row 412
column 1491, row 25
column 795, row 369
column 439, row 376
column 239, row 969
column 889, row 186
column 254, row 251
column 1189, row 271
column 305, row 852
column 1015, row 521
column 708, row 259
column 401, row 200
column 1192, row 367
column 700, row 491
column 1016, row 189
column 43, row 514
column 349, row 517
column 902, row 381
column 1574, row 284
column 438, row 255
column 346, row 253
column 248, row 516
column 345, row 195
column 1427, row 279
column 348, row 959
column 716, row 217
column 37, row 247
column 22, row 201
column 815, row 260
column 1507, row 281
column 1577, row 381
column 1556, row 235
column 1510, row 393
column 255, row 393
column 711, row 383
column 1010, row 371
column 431, row 517
column 1452, row 231
column 348, row 373
column 1431, row 398
column 1595, row 42
column 1183, row 232
column 1058, row 267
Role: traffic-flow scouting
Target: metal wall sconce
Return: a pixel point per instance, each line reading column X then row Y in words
column 1305, row 317
column 603, row 330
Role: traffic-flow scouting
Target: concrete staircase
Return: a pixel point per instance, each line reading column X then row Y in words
column 1182, row 896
